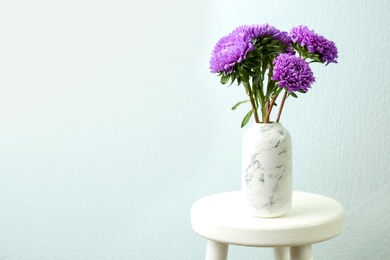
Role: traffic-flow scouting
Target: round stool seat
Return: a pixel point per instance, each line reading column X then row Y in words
column 223, row 218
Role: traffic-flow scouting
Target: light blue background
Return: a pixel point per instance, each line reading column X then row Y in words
column 111, row 125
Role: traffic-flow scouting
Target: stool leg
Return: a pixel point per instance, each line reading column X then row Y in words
column 281, row 253
column 301, row 253
column 216, row 250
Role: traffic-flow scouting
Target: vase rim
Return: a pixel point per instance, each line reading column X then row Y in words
column 269, row 123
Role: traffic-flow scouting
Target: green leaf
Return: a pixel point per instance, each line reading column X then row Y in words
column 243, row 73
column 232, row 78
column 246, row 118
column 277, row 91
column 239, row 81
column 293, row 94
column 225, row 78
column 265, row 40
column 239, row 103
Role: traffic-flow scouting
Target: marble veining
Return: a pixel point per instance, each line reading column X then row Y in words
column 267, row 166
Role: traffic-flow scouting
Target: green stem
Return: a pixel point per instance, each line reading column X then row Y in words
column 270, row 108
column 264, row 112
column 249, row 92
column 270, row 89
column 281, row 106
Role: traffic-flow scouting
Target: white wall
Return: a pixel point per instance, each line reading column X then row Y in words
column 111, row 125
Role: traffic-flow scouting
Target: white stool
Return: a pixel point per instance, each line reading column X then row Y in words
column 223, row 220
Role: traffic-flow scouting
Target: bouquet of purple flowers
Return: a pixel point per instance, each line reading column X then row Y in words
column 267, row 61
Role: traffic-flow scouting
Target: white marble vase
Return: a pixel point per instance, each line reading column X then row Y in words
column 267, row 170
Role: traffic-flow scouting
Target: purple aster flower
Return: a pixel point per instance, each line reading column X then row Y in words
column 263, row 30
column 229, row 50
column 292, row 72
column 315, row 43
column 233, row 48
